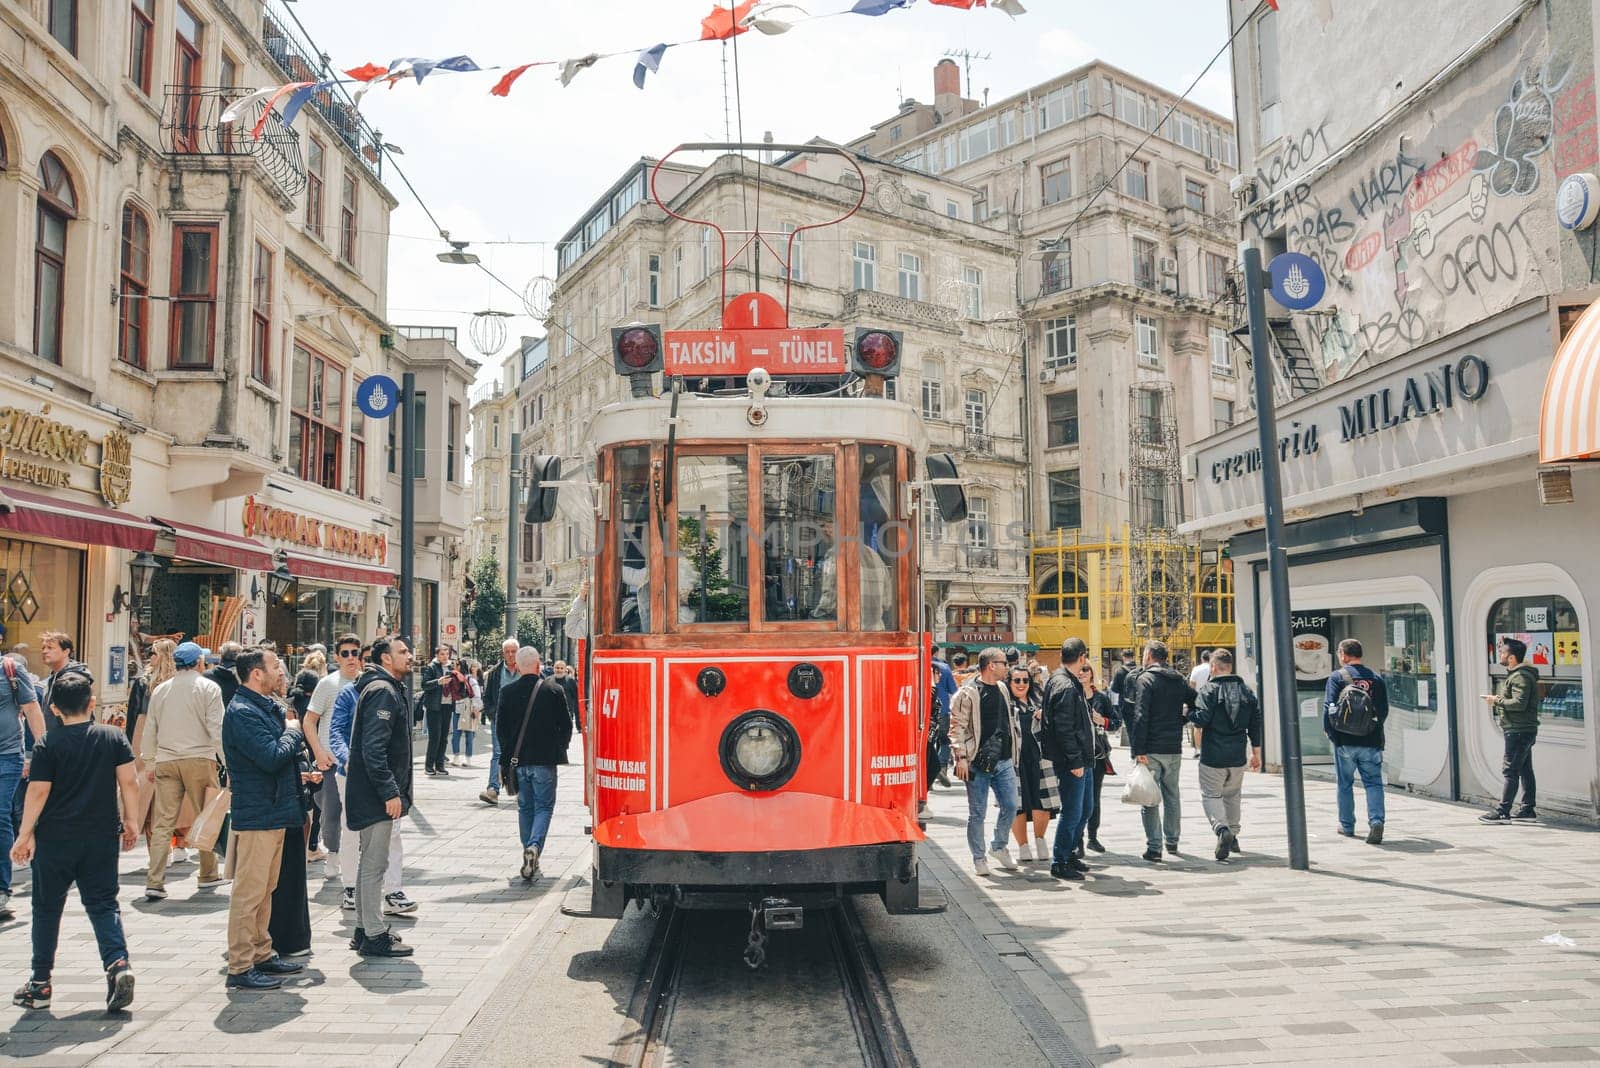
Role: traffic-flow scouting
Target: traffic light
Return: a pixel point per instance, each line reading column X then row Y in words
column 876, row 352
column 636, row 352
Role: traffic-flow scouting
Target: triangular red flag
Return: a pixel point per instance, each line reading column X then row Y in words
column 966, row 5
column 723, row 23
column 503, row 86
column 367, row 72
column 1273, row 4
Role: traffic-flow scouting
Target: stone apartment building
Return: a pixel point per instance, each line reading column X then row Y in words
column 195, row 310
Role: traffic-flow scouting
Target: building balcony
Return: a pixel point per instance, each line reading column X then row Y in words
column 1183, row 218
column 982, row 558
column 872, row 306
column 191, row 126
column 300, row 61
column 987, row 445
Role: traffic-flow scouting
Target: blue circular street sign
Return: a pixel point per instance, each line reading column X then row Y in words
column 378, row 396
column 1297, row 281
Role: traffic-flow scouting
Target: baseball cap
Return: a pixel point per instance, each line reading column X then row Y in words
column 188, row 655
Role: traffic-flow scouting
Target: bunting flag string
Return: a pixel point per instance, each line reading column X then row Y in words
column 769, row 17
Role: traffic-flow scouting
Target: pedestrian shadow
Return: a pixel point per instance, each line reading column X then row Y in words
column 90, row 1025
column 380, row 977
column 1465, row 895
column 251, row 1012
column 1415, row 845
column 1105, row 883
column 201, row 904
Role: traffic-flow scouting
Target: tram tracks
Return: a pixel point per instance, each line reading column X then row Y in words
column 693, row 987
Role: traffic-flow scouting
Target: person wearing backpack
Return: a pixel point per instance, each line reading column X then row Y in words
column 1515, row 704
column 1226, row 715
column 1357, row 703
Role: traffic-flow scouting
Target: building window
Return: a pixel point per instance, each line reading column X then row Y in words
column 349, row 202
column 61, row 17
column 933, row 525
column 1548, row 625
column 932, row 390
column 795, row 250
column 527, row 543
column 194, row 296
column 952, row 209
column 677, row 277
column 1194, row 195
column 314, row 189
column 261, row 316
column 1147, row 337
column 705, row 252
column 1150, row 415
column 133, row 310
column 972, row 292
column 1056, row 179
column 186, row 76
column 977, row 522
column 1066, row 500
column 419, row 450
column 142, row 45
column 57, row 205
column 1144, row 263
column 980, row 205
column 453, row 430
column 1221, row 414
column 1136, row 179
column 910, row 276
column 654, row 281
column 316, row 405
column 355, row 479
column 1061, row 419
column 1056, row 267
column 864, row 266
column 1221, row 352
column 1061, row 342
column 1216, row 276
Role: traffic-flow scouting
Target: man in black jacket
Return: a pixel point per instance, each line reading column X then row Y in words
column 60, row 658
column 436, row 711
column 1226, row 715
column 225, row 674
column 1069, row 743
column 1159, row 698
column 1121, row 689
column 378, row 787
column 533, row 712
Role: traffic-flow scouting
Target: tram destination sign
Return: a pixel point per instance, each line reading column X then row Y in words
column 737, row 352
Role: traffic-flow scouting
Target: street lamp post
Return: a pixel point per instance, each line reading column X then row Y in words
column 512, row 523
column 408, row 501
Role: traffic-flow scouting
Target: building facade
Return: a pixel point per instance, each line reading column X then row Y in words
column 1421, row 520
column 202, row 420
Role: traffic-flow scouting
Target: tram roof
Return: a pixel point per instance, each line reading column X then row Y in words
column 788, row 419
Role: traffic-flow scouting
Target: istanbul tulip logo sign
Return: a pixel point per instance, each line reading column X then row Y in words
column 378, row 396
column 1297, row 281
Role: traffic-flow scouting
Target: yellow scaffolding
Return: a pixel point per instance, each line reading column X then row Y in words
column 1116, row 592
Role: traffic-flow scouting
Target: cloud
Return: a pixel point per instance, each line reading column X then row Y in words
column 1062, row 46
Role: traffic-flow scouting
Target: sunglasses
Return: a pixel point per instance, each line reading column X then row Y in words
column 1019, row 678
column 349, row 652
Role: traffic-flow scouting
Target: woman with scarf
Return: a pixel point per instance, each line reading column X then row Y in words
column 1036, row 775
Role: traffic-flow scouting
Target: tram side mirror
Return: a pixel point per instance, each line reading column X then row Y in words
column 544, row 477
column 948, row 495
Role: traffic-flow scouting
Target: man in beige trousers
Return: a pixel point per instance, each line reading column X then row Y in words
column 181, row 744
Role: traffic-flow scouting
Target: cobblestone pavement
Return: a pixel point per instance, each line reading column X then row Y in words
column 1426, row 950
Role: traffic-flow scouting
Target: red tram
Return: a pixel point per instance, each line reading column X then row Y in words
column 758, row 685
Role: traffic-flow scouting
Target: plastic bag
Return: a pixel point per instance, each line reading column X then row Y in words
column 1141, row 788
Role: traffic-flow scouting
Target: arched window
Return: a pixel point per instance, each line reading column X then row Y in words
column 133, row 314
column 1062, row 593
column 58, row 205
column 3, row 156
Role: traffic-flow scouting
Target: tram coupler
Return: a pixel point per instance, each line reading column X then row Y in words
column 781, row 914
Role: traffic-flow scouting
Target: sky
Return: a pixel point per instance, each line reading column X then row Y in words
column 524, row 169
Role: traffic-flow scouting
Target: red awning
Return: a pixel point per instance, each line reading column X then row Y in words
column 52, row 517
column 318, row 567
column 215, row 547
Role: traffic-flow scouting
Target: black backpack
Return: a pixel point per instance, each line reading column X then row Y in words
column 1352, row 711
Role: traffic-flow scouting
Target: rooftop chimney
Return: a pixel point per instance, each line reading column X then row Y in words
column 947, row 78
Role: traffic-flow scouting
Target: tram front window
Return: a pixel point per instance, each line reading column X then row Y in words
column 633, row 540
column 799, row 542
column 713, row 561
column 883, row 541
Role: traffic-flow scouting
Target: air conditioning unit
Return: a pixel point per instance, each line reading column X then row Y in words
column 1169, row 266
column 1047, row 376
column 1213, row 164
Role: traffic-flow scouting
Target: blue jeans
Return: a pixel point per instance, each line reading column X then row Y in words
column 1368, row 760
column 10, row 778
column 1077, row 803
column 90, row 861
column 457, row 733
column 536, row 803
column 494, row 762
column 1003, row 780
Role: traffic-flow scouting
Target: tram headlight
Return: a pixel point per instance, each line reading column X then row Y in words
column 760, row 751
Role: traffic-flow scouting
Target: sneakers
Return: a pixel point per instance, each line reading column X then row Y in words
column 1343, row 833
column 33, row 995
column 1495, row 816
column 154, row 893
column 253, row 980
column 119, row 986
column 1172, row 848
column 6, row 911
column 387, row 944
column 1076, row 864
column 1001, row 858
column 212, row 883
column 1224, row 843
column 1025, row 852
column 1094, row 844
column 299, row 952
column 397, row 904
column 1066, row 872
column 358, row 940
column 349, row 902
column 315, row 855
column 178, row 856
column 943, row 778
column 490, row 796
column 1041, row 850
column 980, row 866
column 1521, row 815
column 530, row 863
column 276, row 965
column 1375, row 834
column 1153, row 856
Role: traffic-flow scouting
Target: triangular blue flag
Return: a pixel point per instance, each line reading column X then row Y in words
column 461, row 64
column 299, row 98
column 649, row 60
column 878, row 7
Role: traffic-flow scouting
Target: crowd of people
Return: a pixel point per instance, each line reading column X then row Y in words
column 226, row 754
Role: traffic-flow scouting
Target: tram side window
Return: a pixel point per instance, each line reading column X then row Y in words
column 883, row 539
column 799, row 542
column 633, row 540
column 713, row 540
column 1547, row 625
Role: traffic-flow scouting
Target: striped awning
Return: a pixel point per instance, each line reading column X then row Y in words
column 1569, row 424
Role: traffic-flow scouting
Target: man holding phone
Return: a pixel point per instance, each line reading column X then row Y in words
column 1515, row 704
column 378, row 788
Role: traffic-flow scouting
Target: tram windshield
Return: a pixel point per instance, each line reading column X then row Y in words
column 799, row 542
column 713, row 554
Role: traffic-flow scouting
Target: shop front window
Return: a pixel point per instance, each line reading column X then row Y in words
column 1548, row 626
column 41, row 589
column 712, row 549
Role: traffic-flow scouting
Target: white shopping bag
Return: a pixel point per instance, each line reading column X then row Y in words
column 1141, row 789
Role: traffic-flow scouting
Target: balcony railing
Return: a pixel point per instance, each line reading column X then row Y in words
column 867, row 303
column 978, row 442
column 191, row 125
column 982, row 558
column 300, row 61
